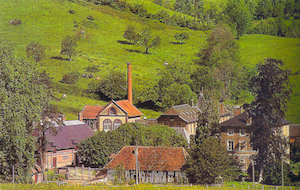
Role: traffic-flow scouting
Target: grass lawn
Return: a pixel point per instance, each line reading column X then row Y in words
column 228, row 186
column 49, row 21
column 256, row 48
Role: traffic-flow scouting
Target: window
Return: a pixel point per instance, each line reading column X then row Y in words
column 65, row 157
column 242, row 132
column 171, row 119
column 117, row 123
column 242, row 145
column 230, row 132
column 112, row 111
column 107, row 125
column 230, row 145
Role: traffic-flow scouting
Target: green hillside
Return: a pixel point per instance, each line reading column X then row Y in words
column 49, row 21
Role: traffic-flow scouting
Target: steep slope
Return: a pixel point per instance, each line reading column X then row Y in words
column 49, row 21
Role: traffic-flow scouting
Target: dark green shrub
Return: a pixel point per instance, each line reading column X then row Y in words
column 70, row 78
column 293, row 30
column 138, row 10
column 90, row 17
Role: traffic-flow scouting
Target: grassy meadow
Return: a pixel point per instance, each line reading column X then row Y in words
column 228, row 186
column 49, row 21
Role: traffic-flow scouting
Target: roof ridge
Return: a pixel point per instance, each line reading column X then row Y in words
column 181, row 105
column 153, row 146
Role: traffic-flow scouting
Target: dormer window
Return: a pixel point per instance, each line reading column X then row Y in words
column 112, row 111
column 242, row 132
column 230, row 132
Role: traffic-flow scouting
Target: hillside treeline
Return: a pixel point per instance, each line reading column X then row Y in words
column 216, row 70
column 203, row 14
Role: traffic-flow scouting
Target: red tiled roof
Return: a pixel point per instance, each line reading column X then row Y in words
column 131, row 110
column 150, row 158
column 90, row 112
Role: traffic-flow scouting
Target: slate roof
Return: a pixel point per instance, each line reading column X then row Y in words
column 184, row 111
column 129, row 108
column 150, row 158
column 241, row 121
column 90, row 112
column 74, row 129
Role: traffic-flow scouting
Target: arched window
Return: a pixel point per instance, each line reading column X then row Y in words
column 117, row 123
column 112, row 111
column 107, row 125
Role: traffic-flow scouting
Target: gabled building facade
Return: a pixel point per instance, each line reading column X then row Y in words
column 116, row 113
column 155, row 164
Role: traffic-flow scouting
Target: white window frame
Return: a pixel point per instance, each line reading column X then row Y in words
column 228, row 145
column 107, row 126
column 117, row 123
column 241, row 132
column 229, row 131
column 245, row 144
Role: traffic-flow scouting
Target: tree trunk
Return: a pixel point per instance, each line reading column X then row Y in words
column 260, row 175
column 42, row 155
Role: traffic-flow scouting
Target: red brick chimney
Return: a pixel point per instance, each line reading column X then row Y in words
column 237, row 110
column 129, row 85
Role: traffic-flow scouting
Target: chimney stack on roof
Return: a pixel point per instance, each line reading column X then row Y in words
column 237, row 110
column 129, row 85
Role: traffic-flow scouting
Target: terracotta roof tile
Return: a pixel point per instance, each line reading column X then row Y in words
column 90, row 112
column 150, row 158
column 131, row 110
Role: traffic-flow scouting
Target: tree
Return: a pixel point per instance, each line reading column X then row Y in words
column 35, row 51
column 113, row 86
column 208, row 124
column 207, row 160
column 272, row 90
column 70, row 78
column 92, row 69
column 263, row 9
column 173, row 86
column 131, row 34
column 43, row 126
column 148, row 40
column 68, row 45
column 182, row 37
column 22, row 99
column 238, row 16
column 219, row 69
column 96, row 149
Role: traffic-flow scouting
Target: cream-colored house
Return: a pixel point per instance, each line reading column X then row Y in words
column 116, row 113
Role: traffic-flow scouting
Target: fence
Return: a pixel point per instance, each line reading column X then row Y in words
column 266, row 187
column 83, row 173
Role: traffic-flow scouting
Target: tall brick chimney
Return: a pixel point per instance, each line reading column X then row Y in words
column 129, row 85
